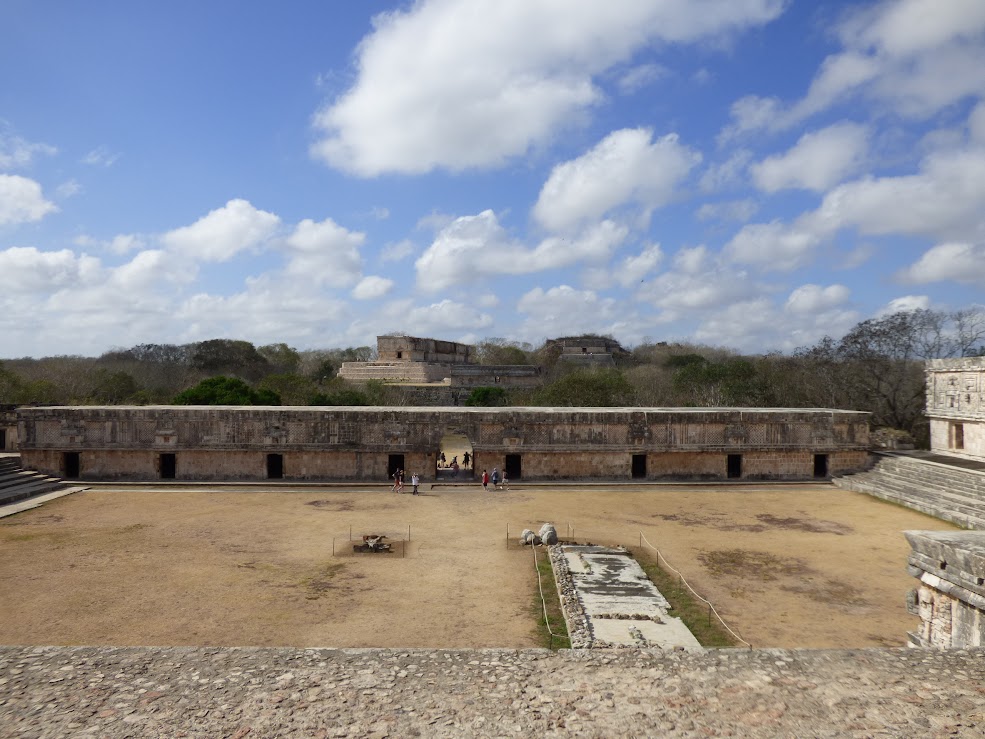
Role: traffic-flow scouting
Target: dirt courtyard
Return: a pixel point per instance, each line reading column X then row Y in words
column 786, row 565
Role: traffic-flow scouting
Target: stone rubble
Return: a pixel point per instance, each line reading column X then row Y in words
column 248, row 692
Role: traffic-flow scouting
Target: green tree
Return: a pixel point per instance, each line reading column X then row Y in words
column 113, row 387
column 291, row 389
column 591, row 388
column 487, row 397
column 225, row 391
column 282, row 359
column 239, row 358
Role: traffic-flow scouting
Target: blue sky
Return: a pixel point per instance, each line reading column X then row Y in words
column 745, row 173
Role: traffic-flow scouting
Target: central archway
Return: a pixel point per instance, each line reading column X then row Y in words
column 455, row 458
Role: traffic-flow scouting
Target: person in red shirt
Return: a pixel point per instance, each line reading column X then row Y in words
column 485, row 480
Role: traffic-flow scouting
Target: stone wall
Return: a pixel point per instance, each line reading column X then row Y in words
column 414, row 349
column 951, row 597
column 8, row 428
column 956, row 406
column 361, row 443
column 498, row 375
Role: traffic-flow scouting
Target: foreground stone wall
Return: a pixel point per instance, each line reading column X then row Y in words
column 169, row 692
column 956, row 406
column 951, row 597
column 8, row 429
column 217, row 443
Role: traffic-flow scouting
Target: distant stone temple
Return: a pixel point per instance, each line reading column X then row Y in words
column 369, row 443
column 595, row 350
column 956, row 406
column 409, row 360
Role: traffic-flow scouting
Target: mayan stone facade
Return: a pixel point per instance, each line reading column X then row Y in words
column 956, row 406
column 951, row 597
column 8, row 428
column 366, row 443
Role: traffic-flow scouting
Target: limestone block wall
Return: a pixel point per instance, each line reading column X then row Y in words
column 956, row 406
column 482, row 375
column 8, row 429
column 210, row 442
column 414, row 349
column 950, row 599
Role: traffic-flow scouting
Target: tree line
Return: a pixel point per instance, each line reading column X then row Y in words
column 878, row 366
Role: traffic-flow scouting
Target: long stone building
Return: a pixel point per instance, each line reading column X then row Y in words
column 368, row 443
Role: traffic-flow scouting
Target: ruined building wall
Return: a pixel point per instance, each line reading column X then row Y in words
column 356, row 443
column 950, row 599
column 8, row 428
column 414, row 349
column 956, row 406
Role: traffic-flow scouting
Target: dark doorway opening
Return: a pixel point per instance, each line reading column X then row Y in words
column 169, row 466
column 394, row 463
column 820, row 465
column 275, row 466
column 639, row 466
column 734, row 466
column 3, row 439
column 512, row 466
column 959, row 436
column 72, row 465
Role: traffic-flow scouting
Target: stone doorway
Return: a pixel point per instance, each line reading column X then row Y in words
column 457, row 449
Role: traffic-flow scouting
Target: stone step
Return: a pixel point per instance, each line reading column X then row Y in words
column 20, row 477
column 29, row 490
column 943, row 512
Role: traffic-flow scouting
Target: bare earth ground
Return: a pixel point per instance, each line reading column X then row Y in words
column 786, row 565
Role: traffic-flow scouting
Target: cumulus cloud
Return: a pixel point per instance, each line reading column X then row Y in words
column 960, row 262
column 814, row 298
column 499, row 76
column 818, row 160
column 627, row 166
column 21, row 200
column 726, row 174
column 479, row 245
column 371, row 287
column 27, row 269
column 325, row 253
column 905, row 303
column 914, row 56
column 556, row 310
column 772, row 246
column 224, row 232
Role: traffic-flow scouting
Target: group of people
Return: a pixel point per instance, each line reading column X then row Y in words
column 398, row 482
column 499, row 481
column 454, row 466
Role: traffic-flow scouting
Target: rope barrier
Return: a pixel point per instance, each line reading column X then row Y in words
column 680, row 576
column 543, row 601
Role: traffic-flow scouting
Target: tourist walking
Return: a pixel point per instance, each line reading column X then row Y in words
column 415, row 481
column 485, row 480
column 465, row 460
column 495, row 477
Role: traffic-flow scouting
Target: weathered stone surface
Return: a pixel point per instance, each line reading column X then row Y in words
column 168, row 692
column 956, row 406
column 548, row 534
column 356, row 443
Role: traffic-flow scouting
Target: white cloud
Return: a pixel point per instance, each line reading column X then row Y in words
column 728, row 173
column 814, row 298
column 396, row 251
column 959, row 262
column 68, row 189
column 371, row 287
column 21, row 200
column 471, row 247
column 772, row 246
column 976, row 124
column 914, row 56
column 904, row 304
column 224, row 232
column 16, row 152
column 563, row 309
column 25, row 269
column 819, row 160
column 101, row 156
column 325, row 253
column 635, row 268
column 730, row 210
column 627, row 166
column 638, row 77
column 446, row 317
column 498, row 77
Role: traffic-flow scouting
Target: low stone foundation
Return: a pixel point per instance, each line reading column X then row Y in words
column 168, row 692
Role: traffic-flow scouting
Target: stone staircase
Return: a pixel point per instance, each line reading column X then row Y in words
column 949, row 492
column 17, row 483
